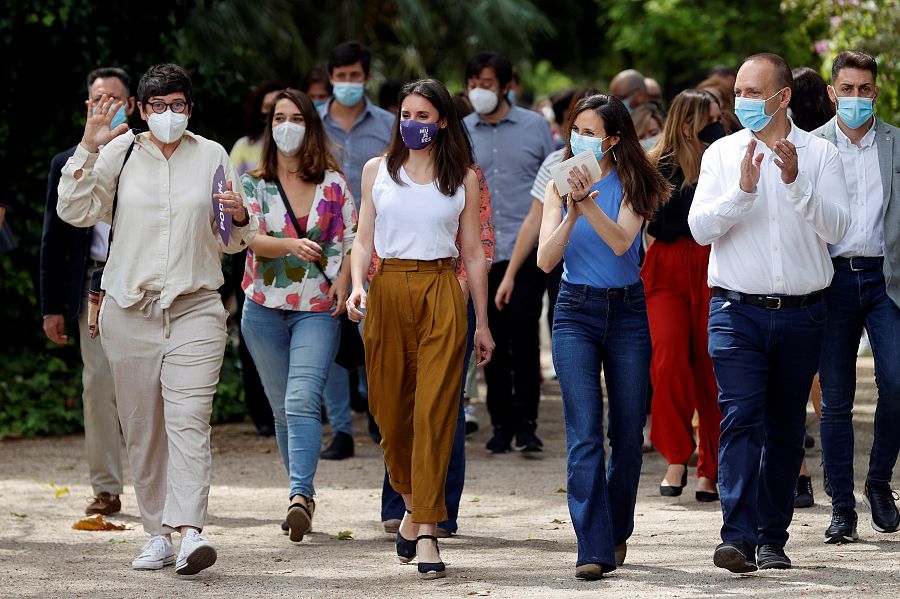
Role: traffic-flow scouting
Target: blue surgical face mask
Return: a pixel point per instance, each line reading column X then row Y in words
column 348, row 93
column 320, row 103
column 581, row 143
column 118, row 118
column 511, row 96
column 855, row 111
column 752, row 113
column 628, row 106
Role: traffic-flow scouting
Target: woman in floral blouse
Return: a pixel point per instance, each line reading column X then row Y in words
column 297, row 282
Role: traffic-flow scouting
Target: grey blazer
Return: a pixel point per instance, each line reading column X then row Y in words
column 887, row 140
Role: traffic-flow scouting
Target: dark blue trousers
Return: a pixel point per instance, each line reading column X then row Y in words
column 764, row 361
column 856, row 300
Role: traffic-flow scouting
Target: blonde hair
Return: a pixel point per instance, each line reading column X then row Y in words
column 691, row 107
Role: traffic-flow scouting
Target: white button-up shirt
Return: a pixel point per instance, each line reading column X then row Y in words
column 165, row 236
column 773, row 240
column 865, row 237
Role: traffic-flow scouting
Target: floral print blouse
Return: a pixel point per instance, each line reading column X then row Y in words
column 287, row 282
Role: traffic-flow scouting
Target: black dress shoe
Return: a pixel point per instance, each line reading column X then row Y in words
column 671, row 491
column 772, row 557
column 735, row 556
column 500, row 441
column 706, row 496
column 843, row 526
column 341, row 447
column 881, row 500
column 803, row 492
column 431, row 570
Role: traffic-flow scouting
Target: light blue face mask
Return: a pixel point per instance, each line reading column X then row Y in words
column 118, row 118
column 348, row 93
column 511, row 96
column 752, row 113
column 855, row 111
column 628, row 106
column 581, row 143
column 319, row 103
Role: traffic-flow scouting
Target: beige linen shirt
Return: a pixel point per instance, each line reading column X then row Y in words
column 165, row 236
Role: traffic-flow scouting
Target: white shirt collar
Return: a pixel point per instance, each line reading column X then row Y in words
column 844, row 142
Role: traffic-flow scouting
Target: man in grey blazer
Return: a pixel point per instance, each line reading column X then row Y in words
column 865, row 293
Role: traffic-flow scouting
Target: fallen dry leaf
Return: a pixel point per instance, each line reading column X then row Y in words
column 97, row 522
column 62, row 491
column 345, row 535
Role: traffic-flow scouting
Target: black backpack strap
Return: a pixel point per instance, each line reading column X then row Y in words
column 300, row 231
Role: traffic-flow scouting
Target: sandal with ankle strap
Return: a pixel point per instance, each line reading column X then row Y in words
column 406, row 548
column 432, row 570
column 299, row 519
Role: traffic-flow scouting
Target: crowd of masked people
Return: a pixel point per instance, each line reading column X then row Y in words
column 719, row 266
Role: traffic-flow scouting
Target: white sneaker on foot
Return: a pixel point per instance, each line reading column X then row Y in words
column 196, row 554
column 157, row 552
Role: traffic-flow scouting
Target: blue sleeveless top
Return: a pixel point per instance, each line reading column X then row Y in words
column 587, row 259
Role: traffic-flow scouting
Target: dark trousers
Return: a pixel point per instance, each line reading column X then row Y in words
column 513, row 374
column 391, row 501
column 254, row 395
column 764, row 362
column 856, row 300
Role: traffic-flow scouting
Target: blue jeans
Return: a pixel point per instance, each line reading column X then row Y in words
column 856, row 300
column 592, row 331
column 293, row 352
column 392, row 506
column 337, row 397
column 764, row 361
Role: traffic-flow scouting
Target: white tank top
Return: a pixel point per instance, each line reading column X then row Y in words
column 414, row 221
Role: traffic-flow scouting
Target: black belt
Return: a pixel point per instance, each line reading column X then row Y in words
column 771, row 302
column 858, row 263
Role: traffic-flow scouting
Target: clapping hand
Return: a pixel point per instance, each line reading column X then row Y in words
column 99, row 116
column 787, row 160
column 750, row 168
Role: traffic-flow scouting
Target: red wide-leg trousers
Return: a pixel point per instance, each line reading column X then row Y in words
column 675, row 284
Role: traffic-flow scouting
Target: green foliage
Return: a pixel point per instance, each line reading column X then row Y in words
column 679, row 41
column 872, row 26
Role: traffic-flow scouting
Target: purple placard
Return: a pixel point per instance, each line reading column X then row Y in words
column 223, row 220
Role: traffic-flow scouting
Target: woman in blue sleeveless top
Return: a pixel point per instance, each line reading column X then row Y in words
column 601, row 321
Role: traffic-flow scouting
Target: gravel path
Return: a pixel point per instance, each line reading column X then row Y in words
column 515, row 538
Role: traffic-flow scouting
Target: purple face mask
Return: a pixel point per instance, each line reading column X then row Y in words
column 417, row 135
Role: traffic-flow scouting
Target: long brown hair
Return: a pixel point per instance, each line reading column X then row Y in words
column 643, row 186
column 450, row 152
column 691, row 107
column 315, row 157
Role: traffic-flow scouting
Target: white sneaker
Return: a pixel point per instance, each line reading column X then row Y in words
column 196, row 554
column 157, row 552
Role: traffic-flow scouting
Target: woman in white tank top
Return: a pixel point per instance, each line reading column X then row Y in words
column 415, row 200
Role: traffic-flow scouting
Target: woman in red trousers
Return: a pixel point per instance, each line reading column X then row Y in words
column 674, row 274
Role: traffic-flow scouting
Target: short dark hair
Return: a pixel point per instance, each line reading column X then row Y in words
column 853, row 59
column 106, row 72
column 164, row 79
column 348, row 53
column 254, row 127
column 317, row 74
column 782, row 72
column 810, row 104
column 501, row 65
column 389, row 91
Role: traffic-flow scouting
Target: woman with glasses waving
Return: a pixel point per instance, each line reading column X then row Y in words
column 296, row 282
column 415, row 200
column 162, row 323
column 601, row 321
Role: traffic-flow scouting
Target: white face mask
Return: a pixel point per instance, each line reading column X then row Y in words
column 484, row 101
column 168, row 126
column 288, row 137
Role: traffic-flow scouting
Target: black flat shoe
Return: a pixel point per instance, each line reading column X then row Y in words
column 433, row 570
column 706, row 496
column 671, row 491
column 772, row 557
column 406, row 548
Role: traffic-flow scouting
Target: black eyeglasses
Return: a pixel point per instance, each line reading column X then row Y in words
column 177, row 106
